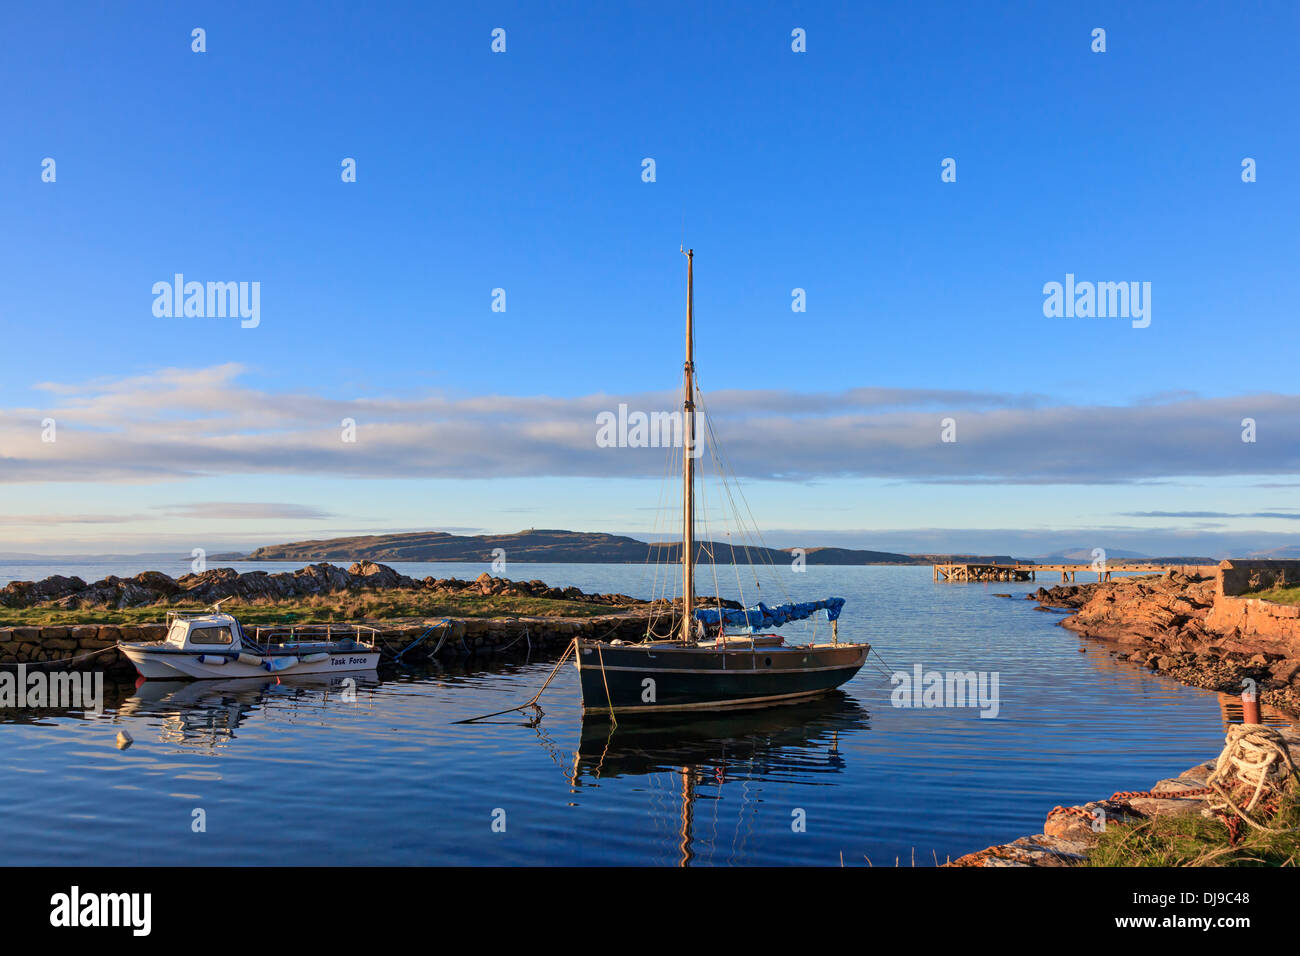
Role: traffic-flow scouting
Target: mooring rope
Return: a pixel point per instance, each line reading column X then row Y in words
column 531, row 702
column 521, row 637
column 609, row 700
column 445, row 623
column 61, row 660
column 881, row 659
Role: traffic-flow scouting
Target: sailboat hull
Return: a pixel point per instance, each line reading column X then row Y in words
column 655, row 677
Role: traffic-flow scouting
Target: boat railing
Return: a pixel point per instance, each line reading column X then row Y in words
column 285, row 634
column 186, row 614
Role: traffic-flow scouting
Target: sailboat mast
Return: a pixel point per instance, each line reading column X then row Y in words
column 688, row 461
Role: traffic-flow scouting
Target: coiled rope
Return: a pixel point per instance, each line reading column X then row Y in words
column 1256, row 760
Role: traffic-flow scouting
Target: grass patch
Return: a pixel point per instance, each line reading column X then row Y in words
column 385, row 606
column 1194, row 840
column 1277, row 595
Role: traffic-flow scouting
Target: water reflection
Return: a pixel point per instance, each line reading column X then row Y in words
column 206, row 714
column 703, row 753
column 114, row 691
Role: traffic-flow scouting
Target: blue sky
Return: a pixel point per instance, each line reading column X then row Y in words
column 522, row 171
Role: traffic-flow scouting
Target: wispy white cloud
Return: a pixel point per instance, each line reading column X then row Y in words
column 177, row 423
column 1285, row 514
column 45, row 520
column 241, row 510
column 202, row 510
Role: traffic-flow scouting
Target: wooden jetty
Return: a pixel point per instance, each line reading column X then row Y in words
column 965, row 572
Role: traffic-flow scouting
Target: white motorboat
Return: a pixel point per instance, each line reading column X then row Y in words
column 213, row 644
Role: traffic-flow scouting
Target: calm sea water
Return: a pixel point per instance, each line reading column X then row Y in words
column 289, row 772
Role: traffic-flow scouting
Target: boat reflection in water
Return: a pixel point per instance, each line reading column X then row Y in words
column 208, row 713
column 796, row 742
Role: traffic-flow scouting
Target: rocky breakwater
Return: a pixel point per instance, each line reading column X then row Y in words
column 1203, row 629
column 153, row 588
column 626, row 617
column 93, row 646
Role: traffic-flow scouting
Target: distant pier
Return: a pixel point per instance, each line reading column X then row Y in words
column 964, row 572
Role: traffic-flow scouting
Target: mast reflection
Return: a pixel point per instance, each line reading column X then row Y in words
column 797, row 742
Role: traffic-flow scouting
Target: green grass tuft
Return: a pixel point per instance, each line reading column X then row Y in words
column 1277, row 595
column 1194, row 840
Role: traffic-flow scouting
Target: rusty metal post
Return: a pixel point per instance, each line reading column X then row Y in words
column 1250, row 708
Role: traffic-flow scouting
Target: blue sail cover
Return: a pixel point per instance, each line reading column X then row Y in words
column 762, row 616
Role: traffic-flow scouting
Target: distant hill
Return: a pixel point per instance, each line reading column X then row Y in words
column 968, row 559
column 526, row 546
column 1084, row 555
column 538, row 546
column 1290, row 551
column 1113, row 555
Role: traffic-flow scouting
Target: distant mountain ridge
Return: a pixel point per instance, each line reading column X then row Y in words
column 1118, row 556
column 560, row 547
column 1290, row 551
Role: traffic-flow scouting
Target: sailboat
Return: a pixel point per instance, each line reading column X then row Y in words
column 709, row 662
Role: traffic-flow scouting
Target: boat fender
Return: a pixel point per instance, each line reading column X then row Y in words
column 212, row 659
column 313, row 658
column 246, row 658
column 274, row 664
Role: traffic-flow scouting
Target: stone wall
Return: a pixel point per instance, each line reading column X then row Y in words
column 1258, row 621
column 464, row 637
column 1271, row 628
column 23, row 645
column 1242, row 576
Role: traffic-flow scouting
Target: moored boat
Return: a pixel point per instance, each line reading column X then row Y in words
column 705, row 666
column 213, row 644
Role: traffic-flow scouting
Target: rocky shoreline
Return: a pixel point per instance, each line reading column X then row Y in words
column 1201, row 629
column 1205, row 631
column 153, row 588
column 1068, row 832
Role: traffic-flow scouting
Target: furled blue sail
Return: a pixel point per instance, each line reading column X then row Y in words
column 762, row 616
